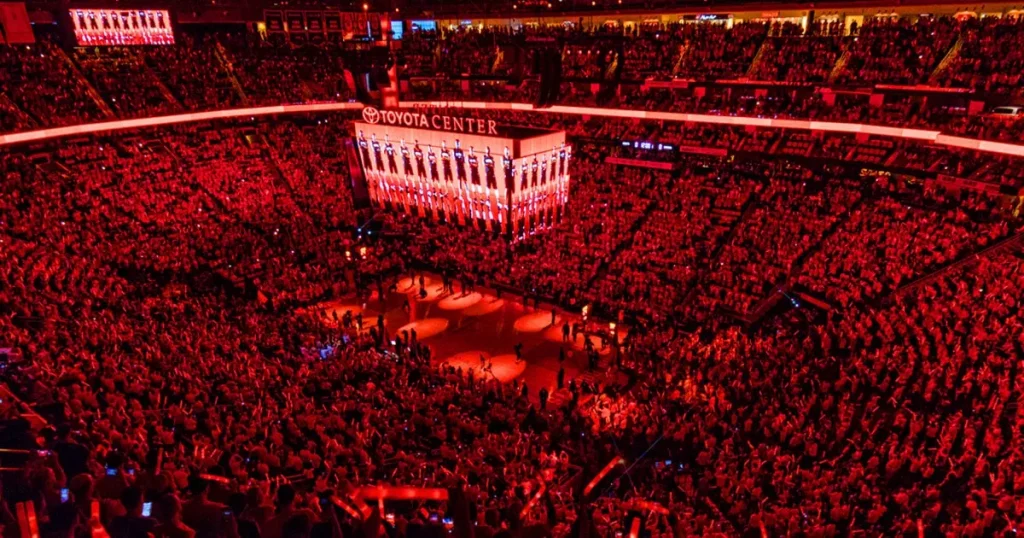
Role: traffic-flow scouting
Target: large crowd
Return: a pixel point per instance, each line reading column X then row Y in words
column 162, row 289
column 820, row 333
column 752, row 68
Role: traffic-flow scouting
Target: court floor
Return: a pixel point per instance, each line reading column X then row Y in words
column 460, row 328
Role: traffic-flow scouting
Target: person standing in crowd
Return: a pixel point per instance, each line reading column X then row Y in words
column 198, row 512
column 132, row 524
column 114, row 479
column 72, row 455
column 168, row 515
column 286, row 512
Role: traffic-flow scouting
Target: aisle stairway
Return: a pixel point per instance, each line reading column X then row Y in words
column 683, row 49
column 733, row 221
column 630, row 235
column 164, row 90
column 1013, row 243
column 10, row 107
column 758, row 58
column 947, row 60
column 840, row 63
column 89, row 88
column 222, row 57
column 278, row 173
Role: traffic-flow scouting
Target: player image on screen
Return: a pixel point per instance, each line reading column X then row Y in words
column 492, row 181
column 460, row 158
column 474, row 167
column 390, row 150
column 406, row 165
column 421, row 170
column 433, row 164
column 364, row 150
column 377, row 158
column 446, row 162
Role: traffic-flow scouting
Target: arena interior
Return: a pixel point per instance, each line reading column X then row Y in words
column 511, row 269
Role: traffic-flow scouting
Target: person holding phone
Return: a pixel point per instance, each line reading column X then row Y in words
column 73, row 457
column 134, row 524
column 115, row 480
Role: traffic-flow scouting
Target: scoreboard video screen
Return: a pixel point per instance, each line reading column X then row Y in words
column 468, row 171
column 107, row 27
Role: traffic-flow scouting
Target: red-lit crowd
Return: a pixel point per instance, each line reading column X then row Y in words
column 750, row 68
column 811, row 350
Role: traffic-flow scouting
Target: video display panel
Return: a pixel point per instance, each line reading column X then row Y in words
column 469, row 171
column 107, row 27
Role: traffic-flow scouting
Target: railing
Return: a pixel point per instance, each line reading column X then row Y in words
column 990, row 250
column 226, row 65
column 35, row 420
column 840, row 65
column 758, row 58
column 949, row 58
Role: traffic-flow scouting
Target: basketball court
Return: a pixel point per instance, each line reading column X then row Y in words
column 479, row 331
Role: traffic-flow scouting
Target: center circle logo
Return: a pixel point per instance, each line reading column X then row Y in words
column 371, row 115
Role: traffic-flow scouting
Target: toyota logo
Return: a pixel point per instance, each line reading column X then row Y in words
column 371, row 115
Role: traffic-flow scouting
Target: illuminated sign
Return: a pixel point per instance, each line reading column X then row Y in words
column 651, row 146
column 122, row 27
column 422, row 26
column 349, row 25
column 516, row 181
column 706, row 17
column 437, row 122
